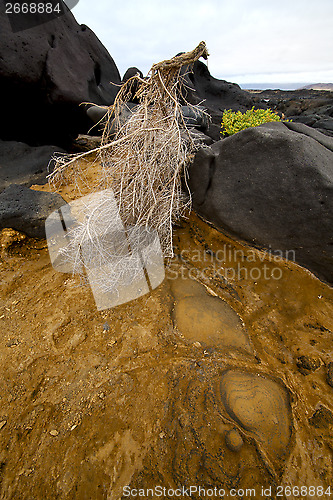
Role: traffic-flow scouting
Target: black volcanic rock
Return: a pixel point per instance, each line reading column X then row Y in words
column 26, row 210
column 311, row 107
column 23, row 164
column 217, row 95
column 272, row 187
column 45, row 73
column 325, row 123
column 310, row 132
column 130, row 72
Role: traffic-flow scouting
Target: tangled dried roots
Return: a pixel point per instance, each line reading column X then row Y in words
column 146, row 160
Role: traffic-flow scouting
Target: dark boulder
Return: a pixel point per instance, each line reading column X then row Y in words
column 26, row 210
column 130, row 72
column 197, row 137
column 310, row 132
column 272, row 187
column 135, row 85
column 325, row 124
column 196, row 117
column 23, row 164
column 98, row 116
column 46, row 73
column 215, row 95
column 308, row 120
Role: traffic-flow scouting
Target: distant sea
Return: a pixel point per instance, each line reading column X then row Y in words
column 273, row 86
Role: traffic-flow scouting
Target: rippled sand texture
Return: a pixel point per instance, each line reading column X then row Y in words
column 214, row 379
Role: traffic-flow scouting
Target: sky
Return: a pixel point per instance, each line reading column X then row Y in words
column 259, row 41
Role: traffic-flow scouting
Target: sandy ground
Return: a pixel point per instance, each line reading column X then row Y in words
column 217, row 378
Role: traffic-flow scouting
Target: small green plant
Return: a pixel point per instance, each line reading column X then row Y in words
column 233, row 122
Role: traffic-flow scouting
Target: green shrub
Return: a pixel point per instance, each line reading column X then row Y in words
column 233, row 122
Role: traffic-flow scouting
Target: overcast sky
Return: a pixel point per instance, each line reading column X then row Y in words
column 248, row 40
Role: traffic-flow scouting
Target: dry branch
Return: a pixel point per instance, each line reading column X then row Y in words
column 145, row 161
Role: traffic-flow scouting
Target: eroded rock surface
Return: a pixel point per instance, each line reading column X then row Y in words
column 200, row 317
column 261, row 407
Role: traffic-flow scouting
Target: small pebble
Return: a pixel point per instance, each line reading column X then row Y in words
column 307, row 364
column 322, row 418
column 330, row 374
column 2, row 424
column 233, row 440
column 54, row 432
column 12, row 343
column 106, row 326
